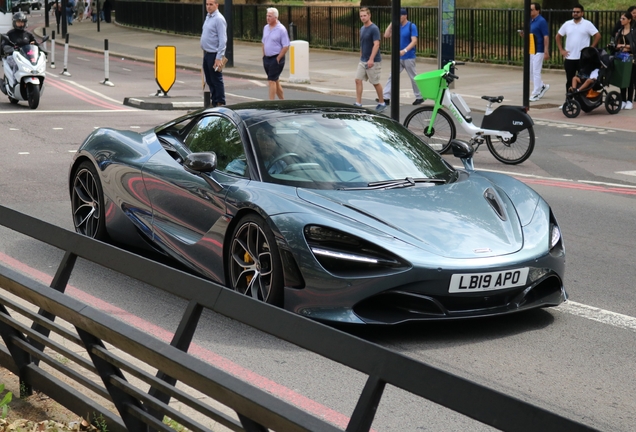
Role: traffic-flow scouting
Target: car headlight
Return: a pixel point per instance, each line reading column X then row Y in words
column 345, row 255
column 555, row 235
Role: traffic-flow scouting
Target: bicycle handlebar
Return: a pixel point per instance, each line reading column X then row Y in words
column 448, row 76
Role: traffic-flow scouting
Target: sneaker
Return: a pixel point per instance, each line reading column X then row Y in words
column 543, row 90
column 418, row 102
column 534, row 98
column 357, row 104
column 386, row 101
column 380, row 107
column 623, row 105
column 628, row 105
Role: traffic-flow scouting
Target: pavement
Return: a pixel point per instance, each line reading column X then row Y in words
column 330, row 72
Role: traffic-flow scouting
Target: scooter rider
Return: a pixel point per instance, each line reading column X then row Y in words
column 19, row 37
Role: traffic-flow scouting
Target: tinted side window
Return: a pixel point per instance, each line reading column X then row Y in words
column 219, row 135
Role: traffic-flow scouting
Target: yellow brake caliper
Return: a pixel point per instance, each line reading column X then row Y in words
column 247, row 259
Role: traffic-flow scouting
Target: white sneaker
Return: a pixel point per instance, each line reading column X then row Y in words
column 534, row 98
column 543, row 90
column 623, row 105
column 628, row 105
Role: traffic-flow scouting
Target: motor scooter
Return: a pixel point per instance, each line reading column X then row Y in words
column 27, row 84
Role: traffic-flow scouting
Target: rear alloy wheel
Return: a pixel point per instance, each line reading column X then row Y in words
column 254, row 263
column 87, row 202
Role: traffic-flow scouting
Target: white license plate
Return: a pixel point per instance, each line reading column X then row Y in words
column 474, row 282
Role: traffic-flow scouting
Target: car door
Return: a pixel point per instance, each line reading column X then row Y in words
column 189, row 215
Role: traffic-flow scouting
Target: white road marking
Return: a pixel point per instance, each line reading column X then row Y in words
column 15, row 129
column 514, row 174
column 93, row 91
column 83, row 59
column 58, row 128
column 23, row 153
column 258, row 83
column 241, row 96
column 127, row 70
column 135, row 127
column 600, row 315
column 576, row 127
column 630, row 173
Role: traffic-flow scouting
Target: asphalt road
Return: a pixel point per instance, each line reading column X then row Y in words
column 577, row 360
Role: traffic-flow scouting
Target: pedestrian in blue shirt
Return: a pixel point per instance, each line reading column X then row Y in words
column 539, row 45
column 214, row 43
column 408, row 44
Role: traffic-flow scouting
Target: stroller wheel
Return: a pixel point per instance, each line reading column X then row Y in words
column 613, row 102
column 571, row 108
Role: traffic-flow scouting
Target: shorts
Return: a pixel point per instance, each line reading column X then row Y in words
column 272, row 67
column 372, row 75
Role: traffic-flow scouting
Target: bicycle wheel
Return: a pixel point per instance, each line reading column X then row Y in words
column 514, row 150
column 439, row 139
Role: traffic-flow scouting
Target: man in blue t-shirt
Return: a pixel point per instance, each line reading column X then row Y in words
column 369, row 66
column 539, row 43
column 408, row 45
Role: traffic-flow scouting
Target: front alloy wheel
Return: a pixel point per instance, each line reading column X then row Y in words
column 87, row 202
column 254, row 263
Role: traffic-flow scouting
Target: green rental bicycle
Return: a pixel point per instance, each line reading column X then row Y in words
column 507, row 130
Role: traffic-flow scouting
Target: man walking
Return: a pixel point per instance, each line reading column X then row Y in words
column 539, row 43
column 577, row 33
column 275, row 46
column 213, row 43
column 408, row 43
column 369, row 68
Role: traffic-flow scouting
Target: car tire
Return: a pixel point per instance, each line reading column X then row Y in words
column 253, row 261
column 87, row 202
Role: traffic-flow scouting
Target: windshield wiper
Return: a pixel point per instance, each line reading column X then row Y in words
column 398, row 183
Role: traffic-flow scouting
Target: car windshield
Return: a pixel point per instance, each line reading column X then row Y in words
column 345, row 151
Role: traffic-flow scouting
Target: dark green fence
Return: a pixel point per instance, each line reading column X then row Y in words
column 481, row 35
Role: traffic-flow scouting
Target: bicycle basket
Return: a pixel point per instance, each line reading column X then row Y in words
column 430, row 83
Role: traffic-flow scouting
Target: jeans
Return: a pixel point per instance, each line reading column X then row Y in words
column 214, row 79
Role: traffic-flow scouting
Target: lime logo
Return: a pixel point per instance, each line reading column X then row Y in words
column 457, row 116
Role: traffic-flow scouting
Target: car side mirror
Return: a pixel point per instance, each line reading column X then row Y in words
column 200, row 162
column 464, row 151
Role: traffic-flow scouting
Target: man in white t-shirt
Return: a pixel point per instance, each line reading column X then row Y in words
column 577, row 33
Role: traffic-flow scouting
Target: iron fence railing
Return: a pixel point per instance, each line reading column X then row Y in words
column 89, row 361
column 481, row 35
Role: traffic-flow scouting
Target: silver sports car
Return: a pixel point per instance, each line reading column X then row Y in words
column 331, row 211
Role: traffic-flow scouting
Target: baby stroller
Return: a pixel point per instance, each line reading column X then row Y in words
column 594, row 96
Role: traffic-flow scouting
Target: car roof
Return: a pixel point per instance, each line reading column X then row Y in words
column 251, row 113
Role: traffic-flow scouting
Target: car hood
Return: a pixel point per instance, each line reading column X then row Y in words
column 467, row 219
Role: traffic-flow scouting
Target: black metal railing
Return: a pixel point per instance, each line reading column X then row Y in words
column 482, row 35
column 104, row 358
